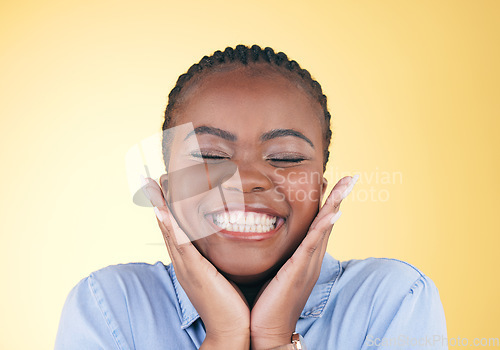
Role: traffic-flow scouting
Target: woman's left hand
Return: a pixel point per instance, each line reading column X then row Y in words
column 280, row 302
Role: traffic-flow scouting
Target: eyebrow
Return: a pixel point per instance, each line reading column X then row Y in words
column 212, row 131
column 275, row 133
column 284, row 132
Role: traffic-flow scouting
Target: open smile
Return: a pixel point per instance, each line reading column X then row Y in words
column 239, row 224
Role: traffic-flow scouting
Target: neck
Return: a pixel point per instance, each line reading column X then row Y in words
column 251, row 287
column 250, row 291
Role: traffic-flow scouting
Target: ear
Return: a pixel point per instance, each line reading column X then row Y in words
column 163, row 180
column 324, row 185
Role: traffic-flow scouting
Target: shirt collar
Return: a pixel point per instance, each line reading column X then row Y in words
column 330, row 272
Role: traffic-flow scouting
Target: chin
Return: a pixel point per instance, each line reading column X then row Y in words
column 251, row 270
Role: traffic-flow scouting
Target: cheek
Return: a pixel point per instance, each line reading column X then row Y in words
column 302, row 193
column 301, row 189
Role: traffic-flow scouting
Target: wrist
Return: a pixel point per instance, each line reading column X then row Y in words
column 236, row 341
column 285, row 347
column 268, row 343
column 295, row 342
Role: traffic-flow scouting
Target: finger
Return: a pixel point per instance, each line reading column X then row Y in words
column 167, row 244
column 168, row 237
column 335, row 193
column 173, row 235
column 339, row 192
column 179, row 244
column 315, row 237
column 351, row 185
column 329, row 227
column 153, row 192
column 309, row 255
column 312, row 249
column 332, row 204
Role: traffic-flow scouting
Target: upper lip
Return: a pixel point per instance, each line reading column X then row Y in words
column 255, row 207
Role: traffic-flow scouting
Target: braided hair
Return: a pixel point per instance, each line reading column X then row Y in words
column 243, row 55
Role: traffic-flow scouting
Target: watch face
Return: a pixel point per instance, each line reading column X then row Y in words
column 302, row 343
column 298, row 341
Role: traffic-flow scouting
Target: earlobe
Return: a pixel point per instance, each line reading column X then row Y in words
column 324, row 185
column 164, row 187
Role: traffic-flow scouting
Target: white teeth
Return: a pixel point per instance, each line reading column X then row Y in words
column 250, row 219
column 232, row 217
column 240, row 221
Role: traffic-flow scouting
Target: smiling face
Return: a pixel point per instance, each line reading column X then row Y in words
column 272, row 130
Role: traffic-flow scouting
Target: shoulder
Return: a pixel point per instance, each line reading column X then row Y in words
column 381, row 272
column 132, row 274
column 132, row 281
column 376, row 292
column 130, row 269
column 378, row 265
column 376, row 297
column 123, row 282
column 120, row 304
column 125, row 289
column 379, row 284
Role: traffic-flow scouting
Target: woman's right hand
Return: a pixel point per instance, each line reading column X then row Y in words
column 219, row 302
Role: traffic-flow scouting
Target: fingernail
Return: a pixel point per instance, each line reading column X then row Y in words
column 144, row 187
column 159, row 214
column 335, row 217
column 143, row 180
column 351, row 185
column 146, row 192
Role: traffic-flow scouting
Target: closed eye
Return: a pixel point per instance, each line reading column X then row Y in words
column 209, row 156
column 286, row 160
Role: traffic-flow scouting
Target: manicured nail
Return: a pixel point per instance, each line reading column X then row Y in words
column 159, row 214
column 144, row 187
column 350, row 186
column 335, row 217
column 143, row 180
column 146, row 193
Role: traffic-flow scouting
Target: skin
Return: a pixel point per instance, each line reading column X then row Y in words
column 249, row 293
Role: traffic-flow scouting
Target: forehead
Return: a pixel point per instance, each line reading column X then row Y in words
column 255, row 93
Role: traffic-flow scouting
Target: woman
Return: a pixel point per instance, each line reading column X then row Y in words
column 249, row 263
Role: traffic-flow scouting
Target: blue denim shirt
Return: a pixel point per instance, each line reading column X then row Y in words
column 374, row 303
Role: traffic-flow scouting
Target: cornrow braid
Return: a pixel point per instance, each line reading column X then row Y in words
column 245, row 55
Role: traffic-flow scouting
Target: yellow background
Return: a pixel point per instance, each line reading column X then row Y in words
column 413, row 88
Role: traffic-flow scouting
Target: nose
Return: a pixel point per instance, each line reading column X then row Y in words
column 252, row 179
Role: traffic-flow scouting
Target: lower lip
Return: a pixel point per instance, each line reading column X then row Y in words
column 247, row 236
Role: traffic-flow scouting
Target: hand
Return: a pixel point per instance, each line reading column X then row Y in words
column 220, row 303
column 278, row 307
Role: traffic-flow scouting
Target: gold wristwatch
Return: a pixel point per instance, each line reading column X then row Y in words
column 297, row 343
